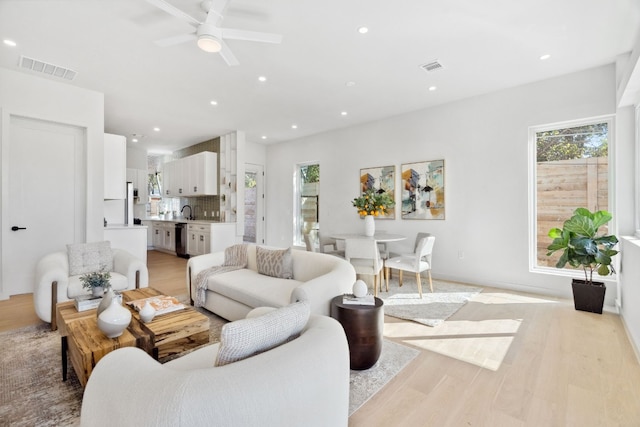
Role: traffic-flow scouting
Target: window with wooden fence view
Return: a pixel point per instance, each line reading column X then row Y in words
column 572, row 171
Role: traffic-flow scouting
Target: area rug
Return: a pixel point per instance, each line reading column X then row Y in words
column 32, row 392
column 365, row 384
column 434, row 308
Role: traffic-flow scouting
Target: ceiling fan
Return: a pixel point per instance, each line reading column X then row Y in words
column 210, row 37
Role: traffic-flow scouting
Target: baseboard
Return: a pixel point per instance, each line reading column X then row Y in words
column 634, row 345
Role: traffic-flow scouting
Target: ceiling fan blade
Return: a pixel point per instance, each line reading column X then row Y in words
column 171, row 41
column 216, row 9
column 227, row 55
column 251, row 36
column 172, row 10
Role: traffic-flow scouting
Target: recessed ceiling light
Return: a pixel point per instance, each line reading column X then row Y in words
column 264, row 137
column 134, row 140
column 432, row 88
column 363, row 30
column 350, row 84
column 344, row 113
column 262, row 79
column 214, row 102
column 294, row 126
column 156, row 129
column 9, row 42
column 545, row 56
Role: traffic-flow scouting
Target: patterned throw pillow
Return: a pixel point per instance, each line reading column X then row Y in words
column 89, row 257
column 247, row 337
column 236, row 256
column 275, row 262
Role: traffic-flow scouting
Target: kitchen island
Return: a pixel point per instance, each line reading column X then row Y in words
column 131, row 238
column 202, row 236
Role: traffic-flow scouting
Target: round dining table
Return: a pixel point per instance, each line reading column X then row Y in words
column 378, row 237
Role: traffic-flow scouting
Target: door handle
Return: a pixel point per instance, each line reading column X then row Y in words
column 16, row 228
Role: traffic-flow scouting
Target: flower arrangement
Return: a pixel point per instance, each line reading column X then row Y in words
column 373, row 203
column 95, row 279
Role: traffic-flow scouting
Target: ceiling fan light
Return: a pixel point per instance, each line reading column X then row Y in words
column 209, row 43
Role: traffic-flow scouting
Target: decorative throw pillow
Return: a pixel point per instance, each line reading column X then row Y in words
column 89, row 257
column 236, row 256
column 247, row 337
column 275, row 262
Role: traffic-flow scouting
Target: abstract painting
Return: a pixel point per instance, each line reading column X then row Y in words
column 423, row 190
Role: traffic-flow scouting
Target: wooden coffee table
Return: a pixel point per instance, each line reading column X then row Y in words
column 165, row 335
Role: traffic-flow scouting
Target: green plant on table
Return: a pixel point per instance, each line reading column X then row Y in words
column 96, row 279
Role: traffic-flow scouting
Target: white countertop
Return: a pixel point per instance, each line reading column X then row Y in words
column 182, row 219
column 124, row 226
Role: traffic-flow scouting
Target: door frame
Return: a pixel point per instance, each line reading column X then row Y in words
column 260, row 211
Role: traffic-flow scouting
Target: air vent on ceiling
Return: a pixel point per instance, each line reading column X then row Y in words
column 431, row 66
column 46, row 68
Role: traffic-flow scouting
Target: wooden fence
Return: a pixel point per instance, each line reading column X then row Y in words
column 563, row 186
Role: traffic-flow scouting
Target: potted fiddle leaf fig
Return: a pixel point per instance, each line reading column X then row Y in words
column 583, row 248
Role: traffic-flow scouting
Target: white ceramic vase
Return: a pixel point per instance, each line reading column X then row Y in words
column 147, row 313
column 369, row 226
column 114, row 320
column 98, row 291
column 360, row 289
column 106, row 300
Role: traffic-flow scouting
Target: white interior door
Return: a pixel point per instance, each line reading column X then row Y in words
column 254, row 204
column 44, row 199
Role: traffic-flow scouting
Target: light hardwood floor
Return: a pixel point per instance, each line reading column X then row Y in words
column 505, row 359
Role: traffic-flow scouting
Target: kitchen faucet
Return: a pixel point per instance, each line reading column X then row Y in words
column 190, row 212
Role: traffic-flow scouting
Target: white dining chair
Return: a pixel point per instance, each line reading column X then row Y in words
column 416, row 263
column 364, row 255
column 329, row 246
column 309, row 242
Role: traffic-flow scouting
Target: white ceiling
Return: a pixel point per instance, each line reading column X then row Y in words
column 484, row 46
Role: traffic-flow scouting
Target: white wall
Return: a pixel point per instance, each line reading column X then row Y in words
column 44, row 99
column 483, row 141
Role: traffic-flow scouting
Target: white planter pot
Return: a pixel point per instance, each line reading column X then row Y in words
column 369, row 226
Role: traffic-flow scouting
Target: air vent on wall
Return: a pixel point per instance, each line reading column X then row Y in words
column 46, row 68
column 431, row 66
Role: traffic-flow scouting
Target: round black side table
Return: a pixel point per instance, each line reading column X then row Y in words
column 363, row 326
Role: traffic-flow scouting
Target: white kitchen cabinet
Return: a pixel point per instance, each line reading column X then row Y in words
column 201, row 174
column 198, row 239
column 191, row 176
column 139, row 178
column 115, row 167
column 158, row 235
column 170, row 238
column 164, row 236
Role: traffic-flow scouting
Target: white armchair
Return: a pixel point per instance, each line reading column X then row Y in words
column 55, row 283
column 304, row 382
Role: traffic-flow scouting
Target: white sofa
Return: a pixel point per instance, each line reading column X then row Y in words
column 54, row 284
column 317, row 278
column 304, row 382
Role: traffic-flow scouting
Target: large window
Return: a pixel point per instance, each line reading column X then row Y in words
column 307, row 201
column 570, row 169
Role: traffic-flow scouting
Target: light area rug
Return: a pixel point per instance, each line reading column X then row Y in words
column 365, row 384
column 32, row 392
column 433, row 308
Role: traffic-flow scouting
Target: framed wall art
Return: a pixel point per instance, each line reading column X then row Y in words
column 383, row 180
column 423, row 190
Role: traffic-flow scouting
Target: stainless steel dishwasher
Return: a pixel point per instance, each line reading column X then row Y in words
column 181, row 240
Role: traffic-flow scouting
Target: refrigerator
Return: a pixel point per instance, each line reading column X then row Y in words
column 128, row 205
